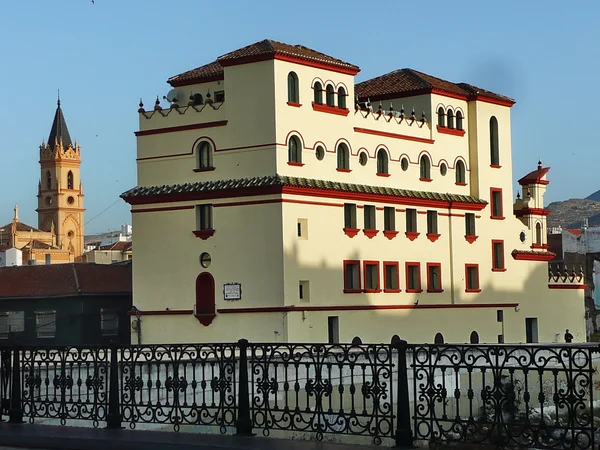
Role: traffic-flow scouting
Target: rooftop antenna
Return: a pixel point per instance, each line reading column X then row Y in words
column 58, row 98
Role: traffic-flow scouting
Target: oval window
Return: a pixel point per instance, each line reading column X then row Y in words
column 70, row 200
column 363, row 159
column 443, row 169
column 404, row 164
column 320, row 153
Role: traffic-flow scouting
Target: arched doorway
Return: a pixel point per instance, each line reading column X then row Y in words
column 205, row 298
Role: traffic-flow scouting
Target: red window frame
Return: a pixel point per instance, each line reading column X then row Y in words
column 494, row 268
column 418, row 266
column 429, row 287
column 385, row 277
column 492, row 216
column 376, row 264
column 347, row 263
column 467, row 267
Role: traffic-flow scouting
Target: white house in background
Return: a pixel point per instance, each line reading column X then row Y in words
column 10, row 256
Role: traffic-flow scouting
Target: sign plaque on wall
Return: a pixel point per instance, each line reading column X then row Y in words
column 232, row 291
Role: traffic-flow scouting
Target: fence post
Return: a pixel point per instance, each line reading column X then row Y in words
column 404, row 436
column 113, row 418
column 243, row 424
column 15, row 413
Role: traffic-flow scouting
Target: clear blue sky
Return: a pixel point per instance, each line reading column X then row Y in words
column 105, row 56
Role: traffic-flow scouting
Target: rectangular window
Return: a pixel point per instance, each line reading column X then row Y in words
column 391, row 282
column 371, row 269
column 11, row 322
column 531, row 330
column 304, row 291
column 351, row 276
column 411, row 220
column 45, row 324
column 204, row 220
column 498, row 256
column 109, row 322
column 472, row 278
column 499, row 315
column 370, row 223
column 470, row 224
column 349, row 215
column 434, row 277
column 3, row 325
column 333, row 330
column 48, row 259
column 496, row 203
column 219, row 96
column 389, row 218
column 302, row 229
column 432, row 222
column 413, row 277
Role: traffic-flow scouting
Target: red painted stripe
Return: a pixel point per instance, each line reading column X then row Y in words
column 194, row 126
column 162, row 312
column 393, row 135
column 168, row 208
column 566, row 286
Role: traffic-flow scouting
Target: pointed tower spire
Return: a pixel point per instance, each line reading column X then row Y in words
column 59, row 133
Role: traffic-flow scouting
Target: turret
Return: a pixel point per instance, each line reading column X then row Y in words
column 530, row 208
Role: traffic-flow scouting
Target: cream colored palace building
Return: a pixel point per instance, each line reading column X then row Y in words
column 278, row 200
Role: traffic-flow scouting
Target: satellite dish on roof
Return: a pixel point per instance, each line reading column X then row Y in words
column 172, row 96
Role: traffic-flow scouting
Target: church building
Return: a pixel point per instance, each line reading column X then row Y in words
column 58, row 237
column 280, row 200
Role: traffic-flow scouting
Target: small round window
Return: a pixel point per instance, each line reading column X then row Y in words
column 363, row 158
column 320, row 153
column 522, row 236
column 70, row 200
column 404, row 164
column 443, row 169
column 205, row 260
column 70, row 234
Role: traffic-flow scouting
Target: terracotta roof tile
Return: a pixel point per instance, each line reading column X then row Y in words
column 278, row 180
column 209, row 72
column 120, row 246
column 535, row 177
column 407, row 82
column 23, row 227
column 64, row 280
column 39, row 245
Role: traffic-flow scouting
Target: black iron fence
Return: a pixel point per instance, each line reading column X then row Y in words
column 499, row 395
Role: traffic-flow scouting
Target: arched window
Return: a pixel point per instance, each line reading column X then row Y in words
column 450, row 118
column 205, row 298
column 474, row 339
column 293, row 96
column 438, row 339
column 382, row 162
column 70, row 180
column 343, row 157
column 330, row 95
column 538, row 233
column 494, row 148
column 205, row 159
column 197, row 99
column 294, row 150
column 425, row 168
column 48, row 180
column 441, row 117
column 341, row 98
column 459, row 120
column 461, row 177
column 318, row 88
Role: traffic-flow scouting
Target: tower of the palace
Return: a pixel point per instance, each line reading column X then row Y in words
column 60, row 191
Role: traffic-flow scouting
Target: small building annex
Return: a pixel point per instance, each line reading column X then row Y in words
column 280, row 200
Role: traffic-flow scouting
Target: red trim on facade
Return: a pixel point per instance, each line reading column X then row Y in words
column 539, row 246
column 429, row 288
column 451, row 131
column 344, row 170
column 390, row 234
column 383, row 174
column 168, row 208
column 280, row 309
column 162, row 312
column 566, row 286
column 294, row 104
column 433, row 236
column 532, row 212
column 393, row 135
column 493, row 101
column 385, row 279
column 494, row 268
column 252, row 202
column 203, row 234
column 370, row 233
column 194, row 126
column 330, row 109
column 524, row 255
column 351, row 232
column 471, row 239
column 371, row 263
column 427, row 180
column 306, row 202
column 418, row 266
column 346, row 263
column 315, row 64
column 205, row 169
column 492, row 216
column 467, row 267
column 412, row 235
column 495, row 166
column 296, row 164
column 461, row 184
